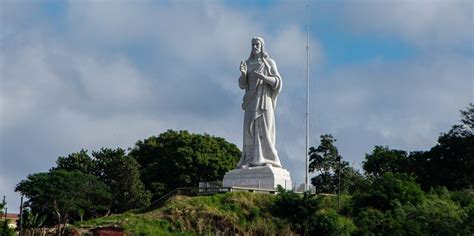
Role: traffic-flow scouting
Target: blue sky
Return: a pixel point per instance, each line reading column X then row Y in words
column 92, row 74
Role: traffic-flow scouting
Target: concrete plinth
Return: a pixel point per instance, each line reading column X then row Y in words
column 263, row 177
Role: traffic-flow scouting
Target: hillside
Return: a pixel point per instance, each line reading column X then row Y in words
column 399, row 207
column 233, row 212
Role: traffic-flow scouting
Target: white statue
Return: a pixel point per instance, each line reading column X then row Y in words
column 262, row 83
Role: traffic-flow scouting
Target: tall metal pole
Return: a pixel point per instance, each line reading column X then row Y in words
column 21, row 216
column 307, row 99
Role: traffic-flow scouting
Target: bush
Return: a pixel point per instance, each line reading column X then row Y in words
column 298, row 210
column 389, row 191
column 469, row 222
column 329, row 222
column 439, row 215
column 5, row 230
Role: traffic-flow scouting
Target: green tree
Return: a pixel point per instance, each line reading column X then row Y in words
column 352, row 181
column 298, row 210
column 117, row 170
column 385, row 160
column 121, row 173
column 31, row 222
column 307, row 215
column 329, row 222
column 399, row 221
column 79, row 161
column 389, row 191
column 326, row 160
column 61, row 194
column 440, row 215
column 4, row 229
column 181, row 159
column 467, row 116
column 451, row 161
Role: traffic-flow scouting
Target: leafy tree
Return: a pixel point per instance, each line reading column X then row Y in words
column 298, row 210
column 329, row 222
column 2, row 205
column 399, row 221
column 121, row 173
column 467, row 116
column 325, row 157
column 31, row 222
column 352, row 181
column 117, row 170
column 389, row 191
column 4, row 229
column 469, row 221
column 325, row 182
column 79, row 161
column 326, row 160
column 384, row 160
column 61, row 194
column 181, row 159
column 439, row 215
column 307, row 215
column 451, row 161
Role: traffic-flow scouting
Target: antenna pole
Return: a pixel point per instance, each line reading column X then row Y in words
column 307, row 99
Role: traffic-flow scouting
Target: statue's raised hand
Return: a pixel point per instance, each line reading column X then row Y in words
column 243, row 68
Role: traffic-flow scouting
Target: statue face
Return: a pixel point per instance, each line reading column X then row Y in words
column 256, row 47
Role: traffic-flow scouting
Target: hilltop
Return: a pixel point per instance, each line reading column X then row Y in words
column 232, row 212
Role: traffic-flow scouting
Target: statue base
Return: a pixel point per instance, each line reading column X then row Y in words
column 262, row 177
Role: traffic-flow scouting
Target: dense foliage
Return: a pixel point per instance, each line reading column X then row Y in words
column 401, row 193
column 449, row 163
column 83, row 186
column 333, row 172
column 181, row 159
column 62, row 195
column 233, row 213
column 308, row 216
column 114, row 168
column 4, row 229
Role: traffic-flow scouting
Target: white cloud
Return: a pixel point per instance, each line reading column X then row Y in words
column 426, row 24
column 404, row 105
column 83, row 87
column 78, row 88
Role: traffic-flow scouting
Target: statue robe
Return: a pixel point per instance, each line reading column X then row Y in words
column 259, row 119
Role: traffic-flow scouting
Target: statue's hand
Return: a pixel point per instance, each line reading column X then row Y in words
column 243, row 68
column 260, row 75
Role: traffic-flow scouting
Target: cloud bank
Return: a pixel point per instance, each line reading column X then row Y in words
column 90, row 74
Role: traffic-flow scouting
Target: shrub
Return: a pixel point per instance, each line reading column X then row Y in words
column 329, row 222
column 389, row 191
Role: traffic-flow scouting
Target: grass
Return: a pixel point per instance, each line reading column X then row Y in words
column 226, row 213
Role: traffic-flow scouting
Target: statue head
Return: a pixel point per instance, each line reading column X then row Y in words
column 258, row 48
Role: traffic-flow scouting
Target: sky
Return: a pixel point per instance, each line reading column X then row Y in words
column 89, row 74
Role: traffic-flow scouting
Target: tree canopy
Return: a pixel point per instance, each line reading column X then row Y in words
column 61, row 195
column 182, row 159
column 326, row 160
column 449, row 163
column 117, row 170
column 385, row 160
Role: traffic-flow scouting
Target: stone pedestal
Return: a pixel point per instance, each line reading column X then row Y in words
column 262, row 177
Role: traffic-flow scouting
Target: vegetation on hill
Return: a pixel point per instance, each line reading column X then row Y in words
column 222, row 214
column 405, row 210
column 83, row 186
column 401, row 193
column 182, row 159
